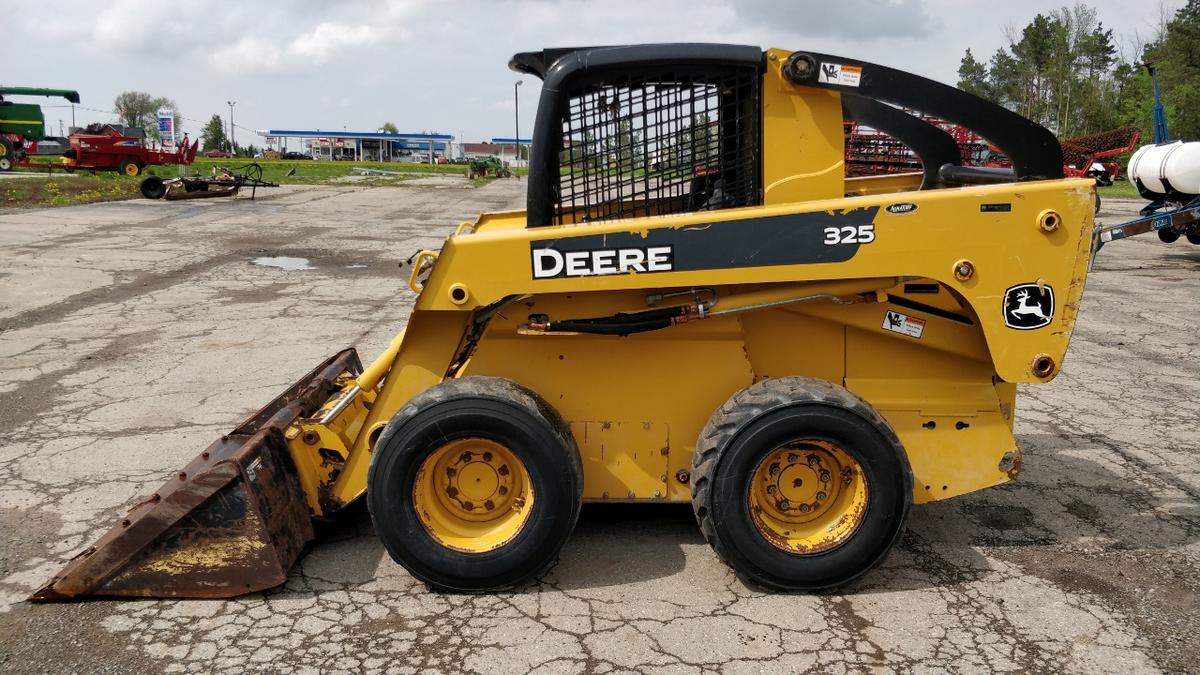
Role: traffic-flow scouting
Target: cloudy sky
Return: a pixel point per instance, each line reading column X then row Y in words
column 431, row 65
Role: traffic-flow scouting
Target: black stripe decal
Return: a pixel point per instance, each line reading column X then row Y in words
column 792, row 239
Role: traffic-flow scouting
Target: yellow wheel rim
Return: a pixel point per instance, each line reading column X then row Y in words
column 472, row 495
column 807, row 497
column 3, row 149
column 131, row 169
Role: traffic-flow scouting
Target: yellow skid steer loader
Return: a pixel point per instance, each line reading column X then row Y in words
column 696, row 306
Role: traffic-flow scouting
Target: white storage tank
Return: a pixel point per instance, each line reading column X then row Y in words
column 1168, row 170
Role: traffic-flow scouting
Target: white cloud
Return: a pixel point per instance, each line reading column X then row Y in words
column 861, row 20
column 327, row 39
column 247, row 56
column 312, row 48
column 152, row 28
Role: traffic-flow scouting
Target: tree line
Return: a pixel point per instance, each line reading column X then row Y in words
column 1067, row 71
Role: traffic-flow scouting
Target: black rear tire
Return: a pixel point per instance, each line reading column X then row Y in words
column 1168, row 236
column 774, row 413
column 1193, row 237
column 152, row 187
column 476, row 407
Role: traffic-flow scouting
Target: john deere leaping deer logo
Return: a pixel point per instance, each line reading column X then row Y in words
column 1028, row 306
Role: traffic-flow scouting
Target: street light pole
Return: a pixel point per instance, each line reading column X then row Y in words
column 517, row 119
column 232, row 145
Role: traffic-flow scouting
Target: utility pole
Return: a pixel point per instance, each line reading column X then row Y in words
column 517, row 118
column 232, row 145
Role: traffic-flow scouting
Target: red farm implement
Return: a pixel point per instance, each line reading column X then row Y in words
column 872, row 152
column 1095, row 154
column 114, row 148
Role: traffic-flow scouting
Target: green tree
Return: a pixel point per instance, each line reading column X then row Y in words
column 1060, row 70
column 212, row 136
column 973, row 76
column 139, row 109
column 624, row 147
column 1176, row 57
column 389, row 128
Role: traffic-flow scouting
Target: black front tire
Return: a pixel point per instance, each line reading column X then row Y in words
column 152, row 187
column 773, row 413
column 499, row 410
column 6, row 155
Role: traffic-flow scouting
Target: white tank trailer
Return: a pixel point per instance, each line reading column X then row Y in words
column 1167, row 171
column 1168, row 174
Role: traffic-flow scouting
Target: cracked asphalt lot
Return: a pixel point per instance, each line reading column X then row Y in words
column 132, row 333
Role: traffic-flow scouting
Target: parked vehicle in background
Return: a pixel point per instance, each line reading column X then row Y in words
column 217, row 153
column 22, row 124
column 480, row 167
column 296, row 155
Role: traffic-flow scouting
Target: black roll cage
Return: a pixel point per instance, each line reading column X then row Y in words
column 1033, row 149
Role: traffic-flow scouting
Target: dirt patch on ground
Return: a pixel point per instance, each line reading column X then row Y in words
column 1158, row 591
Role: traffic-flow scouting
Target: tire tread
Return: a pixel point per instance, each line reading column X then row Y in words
column 500, row 389
column 750, row 403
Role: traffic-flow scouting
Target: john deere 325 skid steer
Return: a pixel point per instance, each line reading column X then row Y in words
column 696, row 306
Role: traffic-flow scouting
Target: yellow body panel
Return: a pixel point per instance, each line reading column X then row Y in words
column 636, row 404
column 804, row 159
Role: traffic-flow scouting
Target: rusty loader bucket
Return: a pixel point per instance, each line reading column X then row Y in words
column 233, row 521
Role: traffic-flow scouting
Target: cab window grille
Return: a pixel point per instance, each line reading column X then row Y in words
column 660, row 143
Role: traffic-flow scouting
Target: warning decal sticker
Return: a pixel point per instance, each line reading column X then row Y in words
column 837, row 73
column 903, row 324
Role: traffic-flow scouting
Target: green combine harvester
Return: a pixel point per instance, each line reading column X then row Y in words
column 23, row 123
